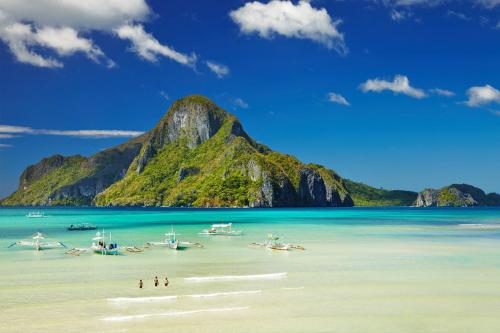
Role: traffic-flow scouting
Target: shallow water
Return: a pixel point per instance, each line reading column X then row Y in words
column 363, row 270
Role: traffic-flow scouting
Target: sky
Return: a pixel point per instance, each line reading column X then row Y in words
column 399, row 94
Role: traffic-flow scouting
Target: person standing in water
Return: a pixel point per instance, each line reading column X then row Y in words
column 156, row 281
column 140, row 284
column 166, row 281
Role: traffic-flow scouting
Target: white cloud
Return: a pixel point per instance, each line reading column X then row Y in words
column 478, row 96
column 64, row 41
column 285, row 18
column 6, row 136
column 337, row 98
column 88, row 14
column 148, row 47
column 399, row 85
column 164, row 95
column 8, row 129
column 442, row 92
column 489, row 3
column 400, row 15
column 459, row 15
column 31, row 27
column 219, row 69
column 3, row 145
column 241, row 103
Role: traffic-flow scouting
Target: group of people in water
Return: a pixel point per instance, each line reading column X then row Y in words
column 155, row 281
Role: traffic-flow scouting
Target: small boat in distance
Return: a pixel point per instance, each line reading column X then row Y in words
column 274, row 242
column 38, row 243
column 100, row 246
column 81, row 226
column 221, row 229
column 172, row 242
column 35, row 214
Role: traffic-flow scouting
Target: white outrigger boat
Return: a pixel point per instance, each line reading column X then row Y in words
column 172, row 242
column 35, row 215
column 38, row 242
column 221, row 229
column 273, row 242
column 100, row 246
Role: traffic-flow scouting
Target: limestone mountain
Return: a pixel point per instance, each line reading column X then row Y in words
column 456, row 195
column 197, row 155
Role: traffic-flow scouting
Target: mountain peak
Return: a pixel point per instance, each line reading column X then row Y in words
column 194, row 118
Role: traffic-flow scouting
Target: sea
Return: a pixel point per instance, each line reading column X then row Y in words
column 363, row 270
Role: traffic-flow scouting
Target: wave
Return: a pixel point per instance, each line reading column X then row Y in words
column 227, row 293
column 171, row 314
column 272, row 276
column 478, row 226
column 141, row 299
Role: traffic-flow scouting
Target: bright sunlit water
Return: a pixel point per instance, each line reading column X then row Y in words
column 363, row 270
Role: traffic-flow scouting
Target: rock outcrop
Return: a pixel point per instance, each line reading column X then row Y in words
column 456, row 195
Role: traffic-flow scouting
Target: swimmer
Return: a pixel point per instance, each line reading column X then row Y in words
column 156, row 281
column 166, row 281
column 140, row 284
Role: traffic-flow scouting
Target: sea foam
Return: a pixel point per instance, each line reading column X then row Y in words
column 272, row 276
column 227, row 293
column 171, row 314
column 141, row 299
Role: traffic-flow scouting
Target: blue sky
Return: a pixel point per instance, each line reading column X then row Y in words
column 396, row 94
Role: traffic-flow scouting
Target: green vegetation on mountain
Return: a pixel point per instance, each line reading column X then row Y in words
column 197, row 155
column 456, row 195
column 365, row 195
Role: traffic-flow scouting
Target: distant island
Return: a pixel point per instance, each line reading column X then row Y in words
column 198, row 155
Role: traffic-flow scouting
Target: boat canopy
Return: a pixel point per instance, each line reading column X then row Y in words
column 222, row 225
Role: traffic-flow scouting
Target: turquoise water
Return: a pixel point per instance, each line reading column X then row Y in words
column 363, row 270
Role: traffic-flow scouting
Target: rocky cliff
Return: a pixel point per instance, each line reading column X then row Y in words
column 456, row 195
column 197, row 155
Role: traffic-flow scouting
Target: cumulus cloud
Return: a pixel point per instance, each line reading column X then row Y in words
column 88, row 14
column 399, row 85
column 97, row 134
column 219, row 69
column 64, row 41
column 31, row 28
column 4, row 145
column 300, row 20
column 442, row 92
column 337, row 98
column 479, row 96
column 149, row 48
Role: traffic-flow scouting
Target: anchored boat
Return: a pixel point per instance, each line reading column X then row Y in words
column 81, row 227
column 172, row 242
column 38, row 242
column 100, row 246
column 222, row 229
column 35, row 215
column 274, row 242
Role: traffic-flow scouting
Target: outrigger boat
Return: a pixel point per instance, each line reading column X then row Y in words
column 172, row 242
column 35, row 215
column 274, row 243
column 81, row 227
column 38, row 243
column 222, row 229
column 100, row 246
